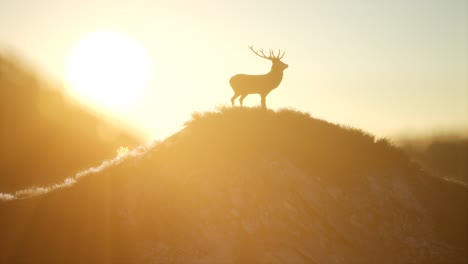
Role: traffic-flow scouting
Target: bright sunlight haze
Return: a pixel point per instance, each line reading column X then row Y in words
column 388, row 67
column 109, row 70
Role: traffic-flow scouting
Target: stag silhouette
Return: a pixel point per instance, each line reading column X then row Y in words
column 244, row 84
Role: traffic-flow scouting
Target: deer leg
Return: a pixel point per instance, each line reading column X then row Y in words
column 241, row 100
column 234, row 98
column 263, row 101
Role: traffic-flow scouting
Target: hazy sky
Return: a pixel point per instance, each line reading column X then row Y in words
column 386, row 66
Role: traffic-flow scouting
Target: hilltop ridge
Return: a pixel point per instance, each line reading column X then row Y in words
column 246, row 185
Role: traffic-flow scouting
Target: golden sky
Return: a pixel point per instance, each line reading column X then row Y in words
column 386, row 66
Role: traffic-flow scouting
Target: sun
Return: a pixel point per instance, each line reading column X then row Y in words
column 109, row 69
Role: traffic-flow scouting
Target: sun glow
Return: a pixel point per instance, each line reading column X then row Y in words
column 109, row 70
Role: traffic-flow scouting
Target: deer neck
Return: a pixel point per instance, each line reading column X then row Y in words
column 275, row 76
column 276, row 73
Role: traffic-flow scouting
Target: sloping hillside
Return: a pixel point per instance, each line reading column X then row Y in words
column 44, row 137
column 246, row 185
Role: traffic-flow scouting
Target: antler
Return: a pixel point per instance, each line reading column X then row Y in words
column 272, row 54
column 262, row 55
column 280, row 57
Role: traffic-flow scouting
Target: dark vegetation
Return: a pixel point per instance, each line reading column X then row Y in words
column 442, row 156
column 45, row 137
column 247, row 185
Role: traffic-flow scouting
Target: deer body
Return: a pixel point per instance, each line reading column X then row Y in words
column 244, row 84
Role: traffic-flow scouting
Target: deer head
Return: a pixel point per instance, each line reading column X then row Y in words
column 277, row 65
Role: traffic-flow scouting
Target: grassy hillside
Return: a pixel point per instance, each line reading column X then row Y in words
column 44, row 137
column 246, row 185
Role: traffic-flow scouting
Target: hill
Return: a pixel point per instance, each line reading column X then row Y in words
column 245, row 185
column 442, row 156
column 44, row 136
